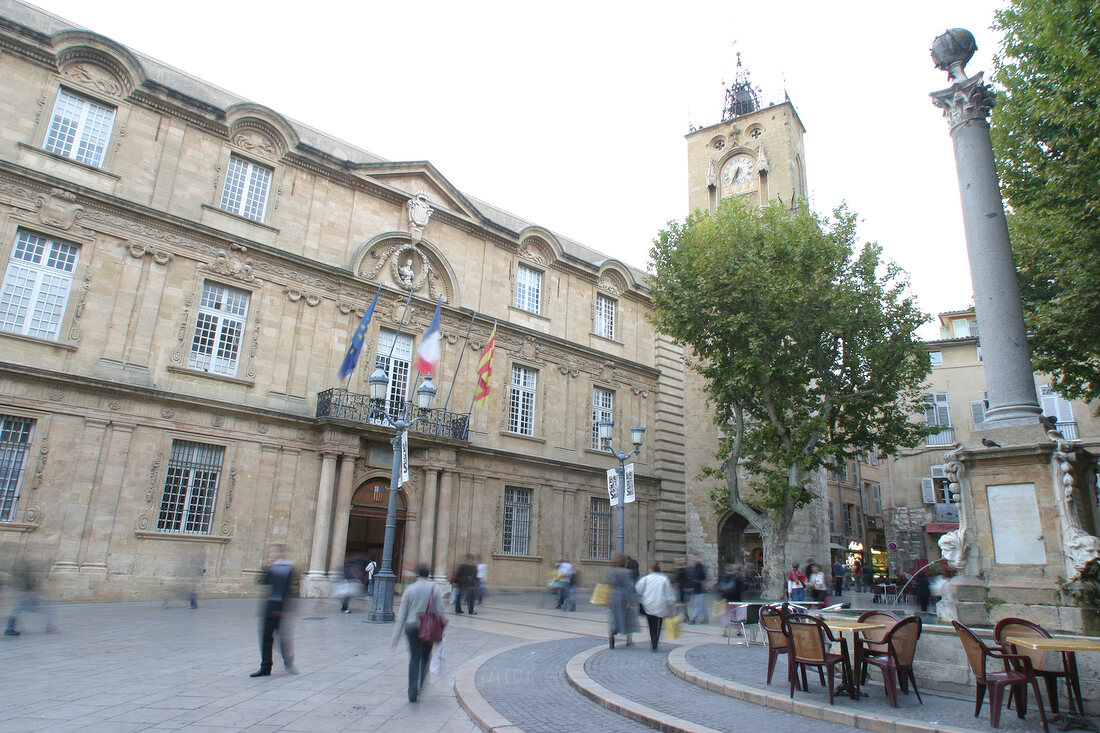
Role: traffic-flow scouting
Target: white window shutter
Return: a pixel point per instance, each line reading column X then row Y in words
column 938, row 471
column 927, row 490
column 977, row 411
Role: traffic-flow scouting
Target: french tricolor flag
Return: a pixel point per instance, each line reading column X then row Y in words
column 427, row 354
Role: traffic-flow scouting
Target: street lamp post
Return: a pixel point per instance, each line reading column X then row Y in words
column 382, row 608
column 637, row 433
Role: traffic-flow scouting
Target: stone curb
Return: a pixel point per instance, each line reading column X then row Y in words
column 880, row 723
column 579, row 679
column 477, row 707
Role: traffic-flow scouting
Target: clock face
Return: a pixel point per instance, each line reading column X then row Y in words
column 738, row 174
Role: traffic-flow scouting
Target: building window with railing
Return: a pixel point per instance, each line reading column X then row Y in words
column 937, row 413
column 603, row 407
column 605, row 317
column 599, row 533
column 15, row 441
column 190, row 488
column 516, row 522
column 394, row 357
column 521, row 400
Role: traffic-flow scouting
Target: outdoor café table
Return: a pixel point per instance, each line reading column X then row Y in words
column 1075, row 717
column 853, row 627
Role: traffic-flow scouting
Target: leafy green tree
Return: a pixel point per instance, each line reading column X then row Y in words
column 808, row 351
column 1046, row 136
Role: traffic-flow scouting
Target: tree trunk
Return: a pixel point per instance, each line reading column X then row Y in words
column 774, row 573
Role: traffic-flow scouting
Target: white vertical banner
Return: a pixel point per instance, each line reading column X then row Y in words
column 404, row 459
column 613, row 485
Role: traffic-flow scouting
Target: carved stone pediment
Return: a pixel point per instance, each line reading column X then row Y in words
column 90, row 75
column 58, row 209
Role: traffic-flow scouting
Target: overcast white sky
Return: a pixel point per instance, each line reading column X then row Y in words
column 573, row 114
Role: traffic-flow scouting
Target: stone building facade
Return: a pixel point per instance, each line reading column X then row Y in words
column 918, row 508
column 183, row 270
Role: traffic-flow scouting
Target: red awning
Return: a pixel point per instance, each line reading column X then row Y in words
column 940, row 527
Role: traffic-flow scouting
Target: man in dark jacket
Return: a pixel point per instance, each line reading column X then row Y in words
column 275, row 610
column 838, row 578
column 466, row 581
column 698, row 587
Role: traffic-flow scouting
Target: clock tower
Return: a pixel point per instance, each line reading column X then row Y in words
column 755, row 152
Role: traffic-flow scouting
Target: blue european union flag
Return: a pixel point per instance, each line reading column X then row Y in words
column 352, row 357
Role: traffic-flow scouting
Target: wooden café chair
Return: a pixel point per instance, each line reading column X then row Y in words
column 1017, row 674
column 810, row 638
column 872, row 643
column 771, row 619
column 897, row 663
column 1045, row 664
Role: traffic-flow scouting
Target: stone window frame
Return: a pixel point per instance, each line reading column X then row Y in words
column 225, row 475
column 606, row 412
column 85, row 124
column 599, row 533
column 514, row 394
column 241, row 320
column 605, row 320
column 508, row 520
column 181, row 354
column 230, row 156
column 526, row 304
column 51, row 93
column 13, row 493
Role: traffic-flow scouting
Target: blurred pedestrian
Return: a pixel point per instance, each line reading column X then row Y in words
column 699, row 613
column 857, row 575
column 275, row 612
column 482, row 579
column 681, row 581
column 922, row 589
column 621, row 620
column 420, row 597
column 796, row 584
column 819, row 589
column 732, row 583
column 24, row 585
column 632, row 566
column 368, row 573
column 352, row 584
column 657, row 599
column 189, row 576
column 563, row 580
column 466, row 584
column 869, row 578
column 838, row 578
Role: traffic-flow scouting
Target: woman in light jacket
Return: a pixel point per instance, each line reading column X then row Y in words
column 658, row 601
column 420, row 597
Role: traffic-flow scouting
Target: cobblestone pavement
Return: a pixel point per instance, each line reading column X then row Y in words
column 641, row 675
column 528, row 687
column 748, row 666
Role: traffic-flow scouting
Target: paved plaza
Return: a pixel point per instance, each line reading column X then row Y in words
column 518, row 665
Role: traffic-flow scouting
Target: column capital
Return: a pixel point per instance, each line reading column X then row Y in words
column 969, row 100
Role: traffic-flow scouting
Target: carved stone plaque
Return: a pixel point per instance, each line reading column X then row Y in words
column 1017, row 530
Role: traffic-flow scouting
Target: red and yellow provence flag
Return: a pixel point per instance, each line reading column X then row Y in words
column 485, row 369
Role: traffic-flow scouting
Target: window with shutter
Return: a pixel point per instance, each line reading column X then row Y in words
column 1054, row 405
column 977, row 411
column 927, row 490
column 876, row 499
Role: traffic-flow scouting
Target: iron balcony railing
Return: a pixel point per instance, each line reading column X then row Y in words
column 359, row 408
column 944, row 437
column 1068, row 430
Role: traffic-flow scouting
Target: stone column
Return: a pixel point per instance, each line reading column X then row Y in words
column 77, row 508
column 106, row 499
column 339, row 545
column 427, row 518
column 443, row 559
column 1005, row 353
column 321, row 523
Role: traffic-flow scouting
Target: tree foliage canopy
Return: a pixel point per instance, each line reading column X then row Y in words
column 1046, row 135
column 808, row 350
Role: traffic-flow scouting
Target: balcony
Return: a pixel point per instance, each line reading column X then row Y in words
column 946, row 436
column 1068, row 430
column 358, row 408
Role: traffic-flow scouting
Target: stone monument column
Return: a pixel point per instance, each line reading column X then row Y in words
column 1005, row 353
column 339, row 547
column 427, row 519
column 313, row 584
column 1021, row 526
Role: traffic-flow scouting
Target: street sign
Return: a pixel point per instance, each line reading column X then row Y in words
column 404, row 459
column 613, row 485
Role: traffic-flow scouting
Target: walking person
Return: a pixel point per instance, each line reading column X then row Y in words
column 869, row 578
column 922, row 588
column 28, row 599
column 466, row 583
column 275, row 612
column 838, row 579
column 620, row 620
column 352, row 585
column 658, row 601
column 482, row 579
column 419, row 598
column 563, row 580
column 796, row 584
column 819, row 589
column 368, row 573
column 682, row 583
column 698, row 589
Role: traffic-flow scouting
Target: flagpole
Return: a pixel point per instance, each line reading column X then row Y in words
column 347, row 387
column 470, row 412
column 439, row 426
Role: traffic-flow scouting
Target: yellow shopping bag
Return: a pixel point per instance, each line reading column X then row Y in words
column 601, row 594
column 672, row 627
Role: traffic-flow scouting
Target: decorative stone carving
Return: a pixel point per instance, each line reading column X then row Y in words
column 955, row 546
column 217, row 420
column 569, row 370
column 1082, row 548
column 167, row 413
column 262, row 428
column 40, row 467
column 143, row 522
column 294, row 295
column 1079, row 546
column 761, row 157
column 138, row 250
column 608, row 284
column 233, row 263
column 712, row 173
column 420, row 211
column 529, row 250
column 232, row 485
column 55, row 395
column 968, row 100
column 255, row 142
column 58, row 209
column 114, row 405
column 154, row 471
column 94, row 77
column 86, row 283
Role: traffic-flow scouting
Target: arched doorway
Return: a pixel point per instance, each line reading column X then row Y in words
column 367, row 523
column 739, row 542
